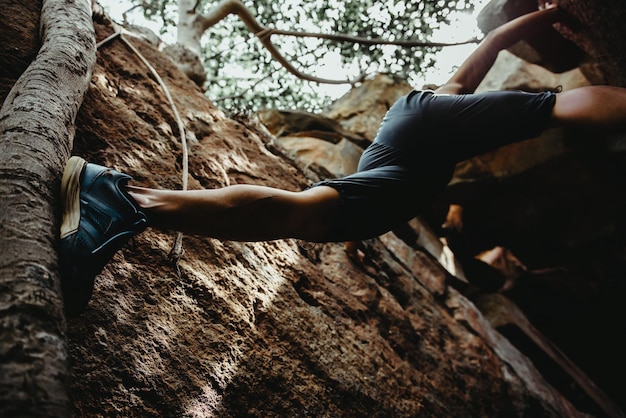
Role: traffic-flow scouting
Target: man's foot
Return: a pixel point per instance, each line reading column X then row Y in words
column 98, row 218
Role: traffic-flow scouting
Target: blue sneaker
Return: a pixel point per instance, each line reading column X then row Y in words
column 98, row 218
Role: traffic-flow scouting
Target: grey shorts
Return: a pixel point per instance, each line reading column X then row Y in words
column 420, row 140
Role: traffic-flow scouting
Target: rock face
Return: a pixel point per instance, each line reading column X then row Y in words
column 286, row 328
column 557, row 202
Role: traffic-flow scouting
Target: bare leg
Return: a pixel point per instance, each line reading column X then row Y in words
column 594, row 106
column 241, row 212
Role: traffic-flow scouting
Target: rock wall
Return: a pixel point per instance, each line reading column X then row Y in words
column 281, row 328
column 267, row 329
column 550, row 208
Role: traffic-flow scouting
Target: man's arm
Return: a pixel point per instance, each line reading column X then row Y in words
column 470, row 74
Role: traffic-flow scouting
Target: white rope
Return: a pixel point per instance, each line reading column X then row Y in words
column 177, row 249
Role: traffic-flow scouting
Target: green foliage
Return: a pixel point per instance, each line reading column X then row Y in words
column 163, row 10
column 243, row 76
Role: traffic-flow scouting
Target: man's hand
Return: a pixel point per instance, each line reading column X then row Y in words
column 354, row 253
column 454, row 220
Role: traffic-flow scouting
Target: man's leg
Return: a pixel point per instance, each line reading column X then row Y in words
column 241, row 212
column 594, row 106
column 101, row 213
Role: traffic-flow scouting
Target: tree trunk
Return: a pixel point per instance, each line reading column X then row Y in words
column 189, row 29
column 36, row 134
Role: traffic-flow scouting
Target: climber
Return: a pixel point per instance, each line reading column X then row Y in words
column 411, row 160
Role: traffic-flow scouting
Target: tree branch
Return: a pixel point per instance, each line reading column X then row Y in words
column 369, row 41
column 227, row 7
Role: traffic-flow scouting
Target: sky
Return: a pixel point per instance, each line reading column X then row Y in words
column 461, row 29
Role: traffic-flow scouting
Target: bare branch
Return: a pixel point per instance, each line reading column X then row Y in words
column 227, row 7
column 370, row 41
column 124, row 18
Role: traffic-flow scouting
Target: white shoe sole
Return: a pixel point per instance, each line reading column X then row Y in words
column 70, row 195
